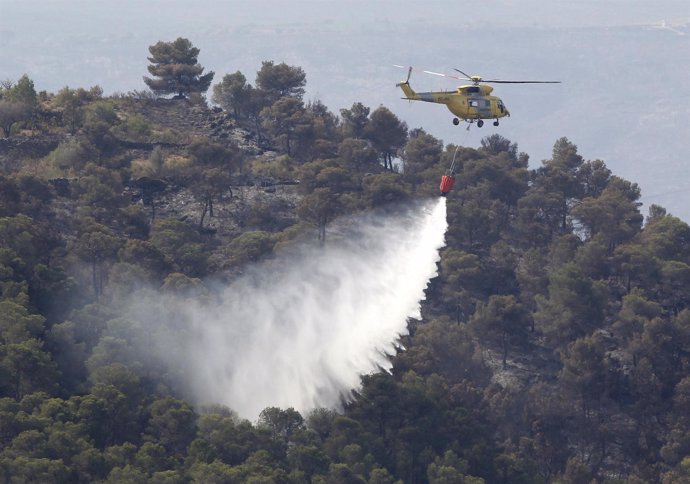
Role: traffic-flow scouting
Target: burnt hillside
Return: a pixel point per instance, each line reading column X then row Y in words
column 553, row 346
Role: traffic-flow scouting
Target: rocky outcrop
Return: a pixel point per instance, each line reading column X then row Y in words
column 17, row 148
column 196, row 120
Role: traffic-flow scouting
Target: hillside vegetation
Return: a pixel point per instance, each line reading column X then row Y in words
column 554, row 346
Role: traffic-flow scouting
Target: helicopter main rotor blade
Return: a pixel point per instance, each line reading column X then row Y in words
column 496, row 81
column 466, row 75
column 442, row 75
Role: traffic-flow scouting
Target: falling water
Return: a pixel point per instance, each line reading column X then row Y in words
column 300, row 333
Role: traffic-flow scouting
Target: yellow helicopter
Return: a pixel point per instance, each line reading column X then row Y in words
column 471, row 102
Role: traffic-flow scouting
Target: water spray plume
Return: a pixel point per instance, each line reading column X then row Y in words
column 301, row 335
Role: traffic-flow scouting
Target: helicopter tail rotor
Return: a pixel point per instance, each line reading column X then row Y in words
column 409, row 73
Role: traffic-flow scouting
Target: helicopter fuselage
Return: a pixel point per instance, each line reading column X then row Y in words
column 471, row 102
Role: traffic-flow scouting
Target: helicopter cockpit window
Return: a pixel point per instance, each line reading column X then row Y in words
column 474, row 103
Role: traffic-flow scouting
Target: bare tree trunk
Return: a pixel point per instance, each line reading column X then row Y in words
column 203, row 214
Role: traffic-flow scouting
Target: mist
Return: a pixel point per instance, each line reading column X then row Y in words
column 300, row 330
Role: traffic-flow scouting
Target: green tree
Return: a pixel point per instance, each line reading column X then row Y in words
column 176, row 70
column 210, row 173
column 183, row 286
column 358, row 153
column 23, row 92
column 279, row 80
column 10, row 196
column 153, row 457
column 502, row 320
column 636, row 312
column 12, row 112
column 325, row 174
column 110, row 350
column 613, row 216
column 69, row 353
column 355, row 120
column 450, row 470
column 113, row 411
column 28, row 369
column 281, row 424
column 287, row 121
column 495, row 144
column 89, row 465
column 594, row 177
column 387, row 133
column 98, row 123
column 421, row 152
column 128, row 473
column 309, row 459
column 25, row 250
column 384, row 188
column 42, row 469
column 557, row 181
column 539, row 216
column 233, row 93
column 100, row 190
column 322, row 138
column 585, row 372
column 380, row 475
column 216, row 472
column 18, row 102
column 224, row 437
column 70, row 104
column 664, row 343
column 145, row 255
column 172, row 424
column 573, row 308
column 182, row 244
column 69, row 155
column 531, row 277
column 17, row 324
column 342, row 474
column 503, row 175
column 251, row 246
column 97, row 245
column 319, row 207
column 667, row 238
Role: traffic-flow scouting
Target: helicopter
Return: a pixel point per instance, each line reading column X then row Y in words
column 470, row 102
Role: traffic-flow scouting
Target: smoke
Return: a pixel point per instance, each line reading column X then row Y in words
column 299, row 332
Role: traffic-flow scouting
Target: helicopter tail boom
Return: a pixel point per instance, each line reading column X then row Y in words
column 409, row 92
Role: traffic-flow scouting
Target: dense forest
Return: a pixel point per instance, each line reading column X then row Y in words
column 553, row 347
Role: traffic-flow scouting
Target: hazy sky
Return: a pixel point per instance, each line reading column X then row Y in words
column 624, row 96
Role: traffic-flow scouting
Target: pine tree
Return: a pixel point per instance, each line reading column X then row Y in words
column 176, row 67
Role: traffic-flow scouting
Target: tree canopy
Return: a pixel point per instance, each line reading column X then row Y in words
column 175, row 69
column 553, row 346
